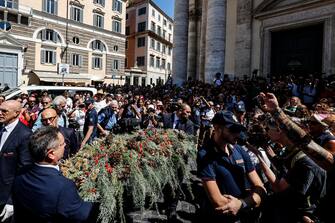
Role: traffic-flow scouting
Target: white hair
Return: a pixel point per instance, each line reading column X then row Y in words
column 59, row 100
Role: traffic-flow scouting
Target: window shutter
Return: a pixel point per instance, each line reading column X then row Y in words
column 44, row 6
column 92, row 62
column 102, row 22
column 81, row 15
column 80, row 60
column 72, row 13
column 93, row 45
column 54, row 58
column 44, row 35
column 94, row 20
column 42, row 56
column 54, row 37
column 56, row 7
column 103, row 3
column 71, row 59
column 120, row 5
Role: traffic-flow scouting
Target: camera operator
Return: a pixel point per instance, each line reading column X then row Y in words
column 150, row 120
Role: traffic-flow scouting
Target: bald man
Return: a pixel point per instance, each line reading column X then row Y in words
column 14, row 153
column 49, row 117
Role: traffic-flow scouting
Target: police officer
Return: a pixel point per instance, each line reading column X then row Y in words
column 228, row 176
column 91, row 123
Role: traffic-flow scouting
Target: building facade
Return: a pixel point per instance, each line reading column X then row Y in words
column 38, row 35
column 149, row 43
column 260, row 37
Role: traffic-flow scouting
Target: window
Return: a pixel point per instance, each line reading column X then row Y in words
column 141, row 42
column 127, row 30
column 169, row 37
column 159, row 17
column 158, row 46
column 164, row 49
column 164, row 22
column 163, row 63
column 152, row 44
column 97, row 62
column 98, row 45
column 76, row 14
column 153, row 12
column 13, row 4
column 98, row 20
column 170, row 51
column 152, row 61
column 141, row 26
column 116, row 26
column 49, row 35
column 117, row 6
column 164, row 34
column 75, row 40
column 158, row 62
column 116, row 48
column 48, row 56
column 144, row 80
column 115, row 64
column 142, row 11
column 170, row 27
column 140, row 61
column 159, row 30
column 169, row 66
column 100, row 2
column 153, row 26
column 76, row 60
column 50, row 6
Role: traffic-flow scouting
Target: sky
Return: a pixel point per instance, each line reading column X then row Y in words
column 167, row 6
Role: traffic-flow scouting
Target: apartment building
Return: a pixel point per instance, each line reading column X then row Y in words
column 149, row 44
column 42, row 39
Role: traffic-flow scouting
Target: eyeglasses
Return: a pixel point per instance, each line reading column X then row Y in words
column 51, row 119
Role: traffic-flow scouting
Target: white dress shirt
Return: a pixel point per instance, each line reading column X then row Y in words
column 9, row 129
column 176, row 120
column 48, row 166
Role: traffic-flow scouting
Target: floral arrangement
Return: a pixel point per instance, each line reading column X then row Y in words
column 130, row 169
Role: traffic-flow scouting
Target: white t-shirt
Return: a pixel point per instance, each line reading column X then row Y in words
column 79, row 117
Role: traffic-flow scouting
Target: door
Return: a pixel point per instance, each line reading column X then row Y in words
column 8, row 69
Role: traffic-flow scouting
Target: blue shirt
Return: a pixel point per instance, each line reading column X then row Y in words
column 229, row 172
column 111, row 121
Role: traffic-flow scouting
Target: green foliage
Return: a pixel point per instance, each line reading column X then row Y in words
column 131, row 169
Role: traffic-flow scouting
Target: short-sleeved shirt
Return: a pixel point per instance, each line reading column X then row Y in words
column 91, row 119
column 230, row 172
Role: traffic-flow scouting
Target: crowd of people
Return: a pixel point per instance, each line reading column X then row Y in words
column 262, row 157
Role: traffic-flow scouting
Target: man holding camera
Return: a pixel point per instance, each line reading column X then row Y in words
column 107, row 118
column 150, row 120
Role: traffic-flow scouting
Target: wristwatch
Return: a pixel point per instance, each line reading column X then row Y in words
column 244, row 204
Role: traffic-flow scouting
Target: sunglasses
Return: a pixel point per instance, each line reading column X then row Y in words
column 51, row 119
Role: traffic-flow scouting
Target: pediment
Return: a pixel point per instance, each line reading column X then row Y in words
column 9, row 40
column 273, row 5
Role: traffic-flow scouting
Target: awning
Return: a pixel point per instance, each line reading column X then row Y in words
column 56, row 78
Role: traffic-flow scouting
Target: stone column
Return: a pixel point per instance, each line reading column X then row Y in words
column 180, row 38
column 243, row 38
column 216, row 39
column 192, row 40
column 202, row 53
column 199, row 4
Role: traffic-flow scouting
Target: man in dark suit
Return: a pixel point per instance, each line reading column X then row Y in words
column 49, row 117
column 42, row 193
column 180, row 120
column 14, row 153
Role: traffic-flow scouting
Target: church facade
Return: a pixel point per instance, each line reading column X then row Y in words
column 264, row 37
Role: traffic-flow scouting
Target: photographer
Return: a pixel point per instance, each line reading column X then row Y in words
column 150, row 120
column 107, row 118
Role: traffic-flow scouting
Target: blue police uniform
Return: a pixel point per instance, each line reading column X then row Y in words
column 91, row 119
column 230, row 173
